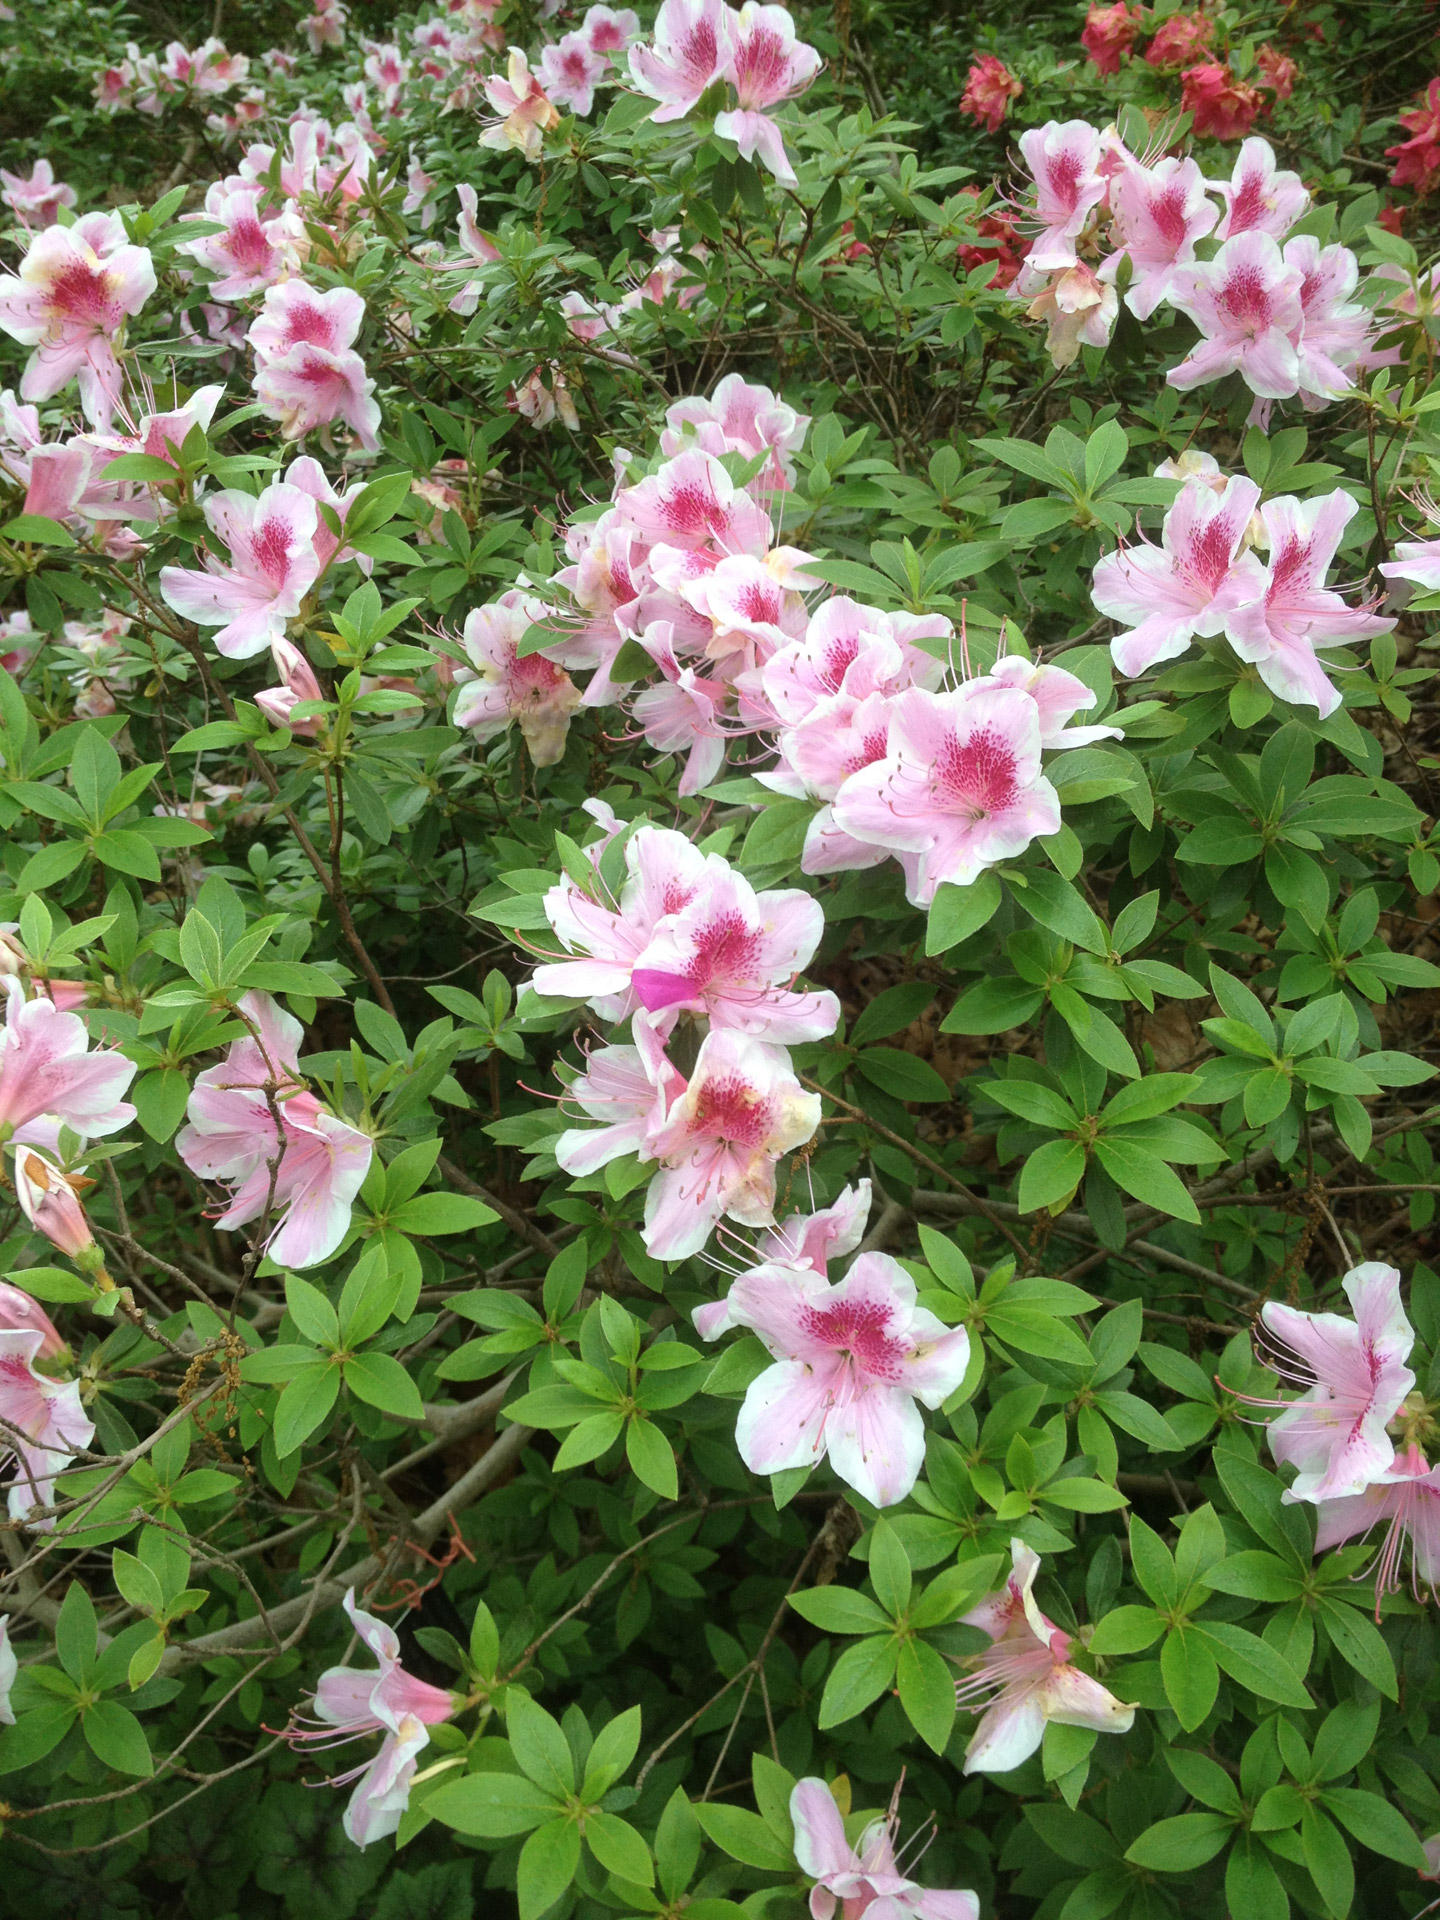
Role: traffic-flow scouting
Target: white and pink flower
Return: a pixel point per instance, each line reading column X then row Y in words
column 75, row 290
column 273, row 565
column 501, row 685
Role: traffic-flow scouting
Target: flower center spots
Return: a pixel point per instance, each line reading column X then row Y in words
column 693, row 509
column 575, row 66
column 308, row 324
column 726, row 948
column 759, row 602
column 839, row 656
column 1245, row 302
column 1208, row 560
column 732, row 1111
column 1063, row 177
column 697, row 51
column 859, row 1328
column 246, row 244
column 1289, row 567
column 1167, row 210
column 534, row 678
column 873, row 746
column 83, row 293
column 1247, row 207
column 761, row 69
column 976, row 776
column 271, row 547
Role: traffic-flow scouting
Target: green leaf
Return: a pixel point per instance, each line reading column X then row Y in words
column 1254, row 1663
column 305, row 1404
column 588, row 1440
column 1376, row 1824
column 1328, row 1861
column 1052, row 901
column 1182, row 1844
column 1204, row 1779
column 1127, row 1630
column 1190, row 1675
column 52, row 1283
column 77, row 1633
column 312, row 1312
column 860, row 1675
column 615, row 1747
column 958, row 912
column 1252, row 1886
column 491, row 1806
column 541, row 1750
column 889, row 1569
column 116, row 1738
column 1145, row 1176
column 1036, row 1330
column 839, row 1610
column 381, row 1382
column 891, row 1011
column 1360, row 1643
column 927, row 1692
column 902, row 1075
column 442, row 1213
column 652, row 1458
column 745, row 1837
column 619, row 1849
column 1051, row 1174
column 548, row 1861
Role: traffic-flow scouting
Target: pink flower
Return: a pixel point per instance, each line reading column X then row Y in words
column 1419, row 562
column 1246, row 302
column 1058, row 695
column 1417, row 160
column 1334, row 327
column 1280, row 629
column 742, row 1109
column 49, row 1078
column 317, row 1162
column 541, row 403
column 1190, row 584
column 1355, row 1381
column 1079, row 309
column 692, row 49
column 1408, row 1498
column 989, row 88
column 1110, row 31
column 739, row 418
column 251, row 252
column 1180, row 38
column 682, row 714
column 50, row 1417
column 610, row 29
column 1159, row 214
column 326, row 26
column 960, row 786
column 818, row 756
column 851, row 1361
column 727, row 955
column 630, row 1090
column 273, row 565
column 478, row 250
column 37, row 197
column 864, row 1881
column 855, row 650
column 75, row 289
column 767, row 65
column 806, row 1242
column 523, row 106
column 307, row 372
column 692, row 502
column 504, row 686
column 350, row 1703
column 1259, row 196
column 664, row 873
column 309, row 476
column 1224, row 107
column 297, row 683
column 1024, row 1678
column 1280, row 71
column 1064, row 160
column 51, row 1204
column 571, row 70
column 18, row 1312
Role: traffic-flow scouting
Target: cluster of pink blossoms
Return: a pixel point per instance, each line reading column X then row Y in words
column 1206, row 579
column 685, row 564
column 1337, row 1433
column 1280, row 312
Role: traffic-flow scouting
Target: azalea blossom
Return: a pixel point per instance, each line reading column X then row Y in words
column 767, row 65
column 742, row 1109
column 1406, row 1502
column 1159, row 214
column 692, row 48
column 989, row 88
column 1334, row 327
column 500, row 686
column 297, row 683
column 570, row 71
column 1025, row 1677
column 49, row 1078
column 1246, row 302
column 1078, row 308
column 692, row 503
column 36, row 198
column 1417, row 160
column 308, row 374
column 864, row 1879
column 681, row 714
column 51, row 1204
column 1110, row 31
column 610, row 29
column 253, row 1125
column 273, row 565
column 42, row 1424
column 1280, row 629
column 960, row 787
column 630, row 1090
column 1355, row 1381
column 251, row 252
column 1180, row 39
column 20, row 1312
column 851, row 1359
column 740, row 416
column 1058, row 695
column 1188, row 586
column 1259, row 196
column 75, row 290
column 524, row 109
column 1418, row 561
column 350, row 1703
column 1223, row 106
column 1064, row 160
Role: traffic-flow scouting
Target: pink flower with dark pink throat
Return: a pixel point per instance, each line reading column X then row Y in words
column 351, row 1703
column 959, row 789
column 49, row 1078
column 630, row 1091
column 1188, row 586
column 739, row 417
column 767, row 66
column 808, row 1242
column 20, row 1313
column 307, row 373
column 51, row 1204
column 1025, row 1679
column 691, row 50
column 253, row 1125
column 1065, row 163
column 741, row 1111
column 1354, row 1381
column 501, row 685
column 851, row 1361
column 36, row 198
column 42, row 1425
column 273, row 564
column 252, row 251
column 1279, row 630
column 524, row 111
column 570, row 71
column 1334, row 326
column 1405, row 1502
column 1246, row 303
column 989, row 88
column 75, row 290
column 682, row 713
column 1110, row 31
column 610, row 30
column 1259, row 196
column 1159, row 214
column 865, row 1879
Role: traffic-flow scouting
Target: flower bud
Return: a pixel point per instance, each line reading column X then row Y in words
column 19, row 1313
column 50, row 1203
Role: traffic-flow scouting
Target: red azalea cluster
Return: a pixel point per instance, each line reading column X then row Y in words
column 1417, row 160
column 989, row 88
column 1224, row 107
column 1110, row 31
column 1007, row 251
column 1183, row 37
column 1220, row 102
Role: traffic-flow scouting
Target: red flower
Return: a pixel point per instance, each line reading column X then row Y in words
column 1108, row 32
column 989, row 89
column 1224, row 107
column 1184, row 36
column 1008, row 254
column 1390, row 218
column 1418, row 158
column 1279, row 69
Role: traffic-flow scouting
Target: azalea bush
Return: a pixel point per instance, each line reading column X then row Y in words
column 718, row 947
